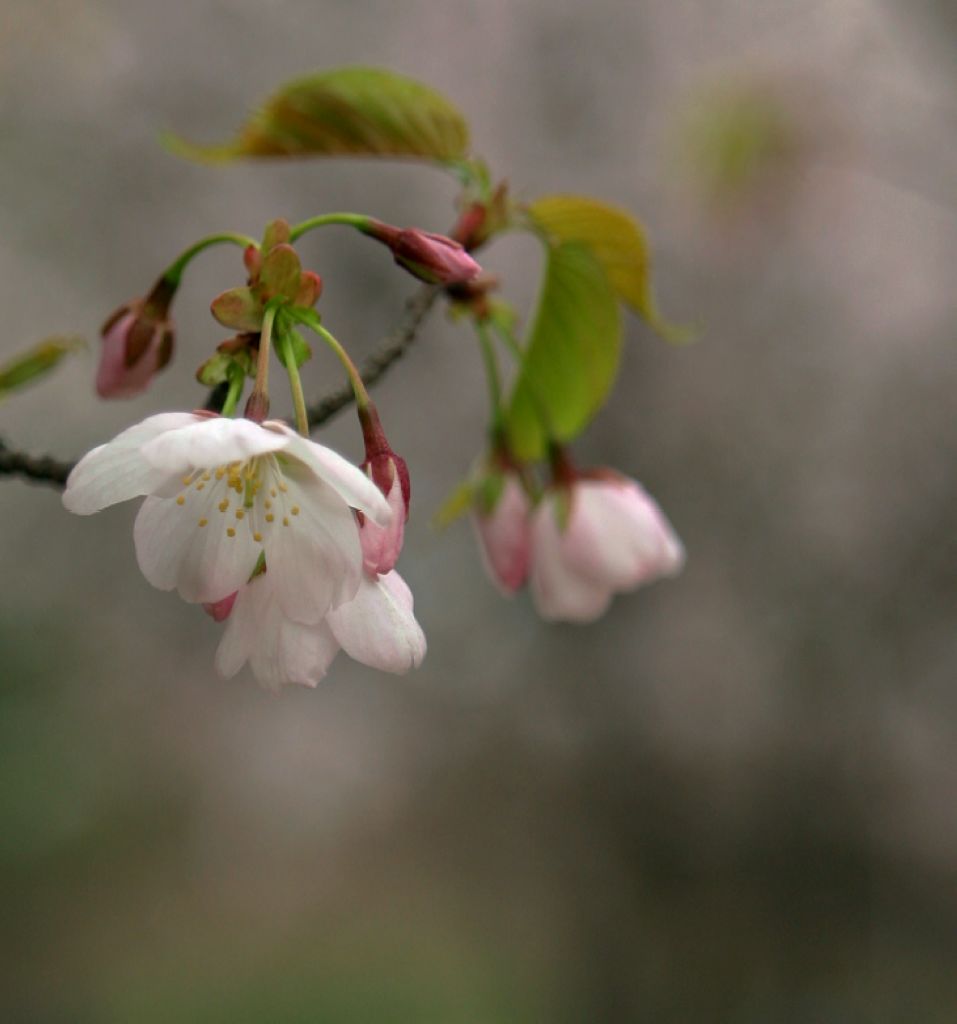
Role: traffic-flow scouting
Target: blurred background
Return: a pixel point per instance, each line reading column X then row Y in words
column 733, row 799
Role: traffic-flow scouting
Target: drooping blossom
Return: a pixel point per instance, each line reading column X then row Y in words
column 592, row 537
column 137, row 343
column 377, row 627
column 221, row 493
column 504, row 533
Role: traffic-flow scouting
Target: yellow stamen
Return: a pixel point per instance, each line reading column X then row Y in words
column 239, row 513
column 295, row 510
column 257, row 537
column 269, row 517
column 202, row 522
column 224, row 504
column 181, row 500
column 230, row 532
column 285, row 520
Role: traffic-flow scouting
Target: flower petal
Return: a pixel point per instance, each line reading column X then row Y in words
column 347, row 480
column 381, row 546
column 213, row 441
column 505, row 537
column 279, row 651
column 618, row 536
column 116, row 471
column 198, row 545
column 558, row 589
column 378, row 627
column 311, row 543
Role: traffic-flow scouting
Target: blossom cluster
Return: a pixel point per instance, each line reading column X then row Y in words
column 262, row 526
column 591, row 535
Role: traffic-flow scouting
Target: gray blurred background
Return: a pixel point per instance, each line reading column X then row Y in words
column 730, row 800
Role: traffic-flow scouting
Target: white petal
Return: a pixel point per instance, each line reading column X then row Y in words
column 279, row 651
column 202, row 562
column 241, row 631
column 213, row 441
column 313, row 553
column 378, row 627
column 116, row 471
column 348, row 481
column 559, row 590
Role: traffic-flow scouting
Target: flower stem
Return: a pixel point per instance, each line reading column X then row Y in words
column 174, row 271
column 257, row 406
column 295, row 383
column 355, row 220
column 236, row 381
column 355, row 378
column 491, row 369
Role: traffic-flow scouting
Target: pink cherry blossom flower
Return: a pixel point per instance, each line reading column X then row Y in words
column 377, row 628
column 593, row 537
column 223, row 492
column 505, row 535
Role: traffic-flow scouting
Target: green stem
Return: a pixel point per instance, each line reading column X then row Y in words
column 265, row 343
column 236, row 381
column 174, row 271
column 295, row 382
column 491, row 369
column 355, row 378
column 355, row 220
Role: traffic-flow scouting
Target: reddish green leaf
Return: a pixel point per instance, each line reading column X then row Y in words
column 351, row 111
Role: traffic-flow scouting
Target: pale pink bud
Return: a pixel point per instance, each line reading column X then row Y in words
column 219, row 610
column 596, row 536
column 429, row 257
column 505, row 535
column 137, row 343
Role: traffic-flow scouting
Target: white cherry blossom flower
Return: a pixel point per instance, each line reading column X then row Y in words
column 221, row 493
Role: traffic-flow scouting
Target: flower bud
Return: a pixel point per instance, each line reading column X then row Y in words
column 433, row 258
column 137, row 343
column 381, row 546
column 502, row 521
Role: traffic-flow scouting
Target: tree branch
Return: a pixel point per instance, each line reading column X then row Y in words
column 45, row 469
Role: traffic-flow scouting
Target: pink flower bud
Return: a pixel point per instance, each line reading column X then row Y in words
column 137, row 343
column 505, row 535
column 596, row 536
column 429, row 257
column 219, row 610
column 381, row 545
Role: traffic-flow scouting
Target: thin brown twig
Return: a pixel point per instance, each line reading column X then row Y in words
column 45, row 469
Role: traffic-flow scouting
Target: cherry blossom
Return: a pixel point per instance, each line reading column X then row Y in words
column 221, row 493
column 505, row 535
column 596, row 536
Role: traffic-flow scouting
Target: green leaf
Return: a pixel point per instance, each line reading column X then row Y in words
column 36, row 361
column 571, row 357
column 455, row 505
column 281, row 273
column 239, row 308
column 351, row 111
column 617, row 241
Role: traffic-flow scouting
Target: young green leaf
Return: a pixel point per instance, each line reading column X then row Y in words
column 281, row 273
column 571, row 357
column 618, row 243
column 350, row 111
column 36, row 361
